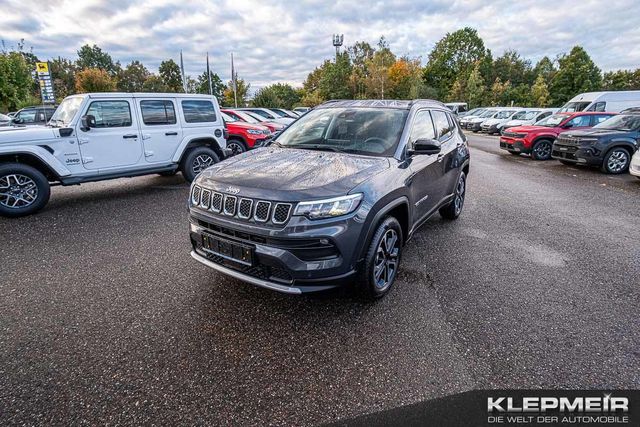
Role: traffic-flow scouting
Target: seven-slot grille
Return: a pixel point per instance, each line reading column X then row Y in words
column 261, row 211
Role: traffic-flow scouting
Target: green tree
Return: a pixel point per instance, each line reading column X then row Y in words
column 216, row 85
column 576, row 74
column 63, row 74
column 457, row 92
column 476, row 89
column 454, row 55
column 242, row 92
column 334, row 82
column 171, row 75
column 16, row 83
column 94, row 80
column 154, row 84
column 377, row 80
column 95, row 57
column 132, row 77
column 512, row 67
column 540, row 92
column 405, row 79
column 266, row 97
column 546, row 68
column 499, row 92
column 621, row 80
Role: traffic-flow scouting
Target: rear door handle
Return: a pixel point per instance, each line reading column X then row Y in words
column 171, row 133
column 129, row 136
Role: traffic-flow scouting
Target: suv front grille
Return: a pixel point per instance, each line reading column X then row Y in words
column 251, row 210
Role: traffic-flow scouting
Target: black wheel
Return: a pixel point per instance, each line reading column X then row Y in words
column 236, row 147
column 454, row 208
column 23, row 190
column 382, row 259
column 197, row 160
column 616, row 161
column 542, row 150
column 566, row 162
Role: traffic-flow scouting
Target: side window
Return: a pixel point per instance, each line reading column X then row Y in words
column 422, row 127
column 110, row 114
column 580, row 121
column 27, row 116
column 198, row 111
column 543, row 115
column 261, row 113
column 441, row 124
column 158, row 112
column 598, row 106
column 597, row 119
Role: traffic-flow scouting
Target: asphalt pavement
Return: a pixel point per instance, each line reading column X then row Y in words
column 105, row 318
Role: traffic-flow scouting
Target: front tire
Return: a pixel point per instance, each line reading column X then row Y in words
column 542, row 150
column 454, row 208
column 197, row 160
column 23, row 190
column 236, row 147
column 382, row 259
column 616, row 161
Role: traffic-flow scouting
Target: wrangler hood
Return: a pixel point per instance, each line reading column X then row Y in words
column 289, row 174
column 9, row 135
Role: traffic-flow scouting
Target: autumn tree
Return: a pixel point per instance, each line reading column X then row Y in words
column 63, row 74
column 94, row 80
column 576, row 74
column 95, row 57
column 242, row 91
column 154, row 84
column 540, row 92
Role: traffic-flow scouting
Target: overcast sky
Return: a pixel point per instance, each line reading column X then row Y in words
column 282, row 41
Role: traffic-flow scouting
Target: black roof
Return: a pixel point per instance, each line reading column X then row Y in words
column 380, row 103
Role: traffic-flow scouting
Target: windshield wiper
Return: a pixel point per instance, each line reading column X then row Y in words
column 318, row 147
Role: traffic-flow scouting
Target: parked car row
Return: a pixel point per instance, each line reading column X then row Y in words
column 603, row 139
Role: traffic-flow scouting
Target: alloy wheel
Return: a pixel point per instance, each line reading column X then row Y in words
column 543, row 150
column 235, row 148
column 202, row 162
column 618, row 161
column 459, row 197
column 386, row 262
column 17, row 191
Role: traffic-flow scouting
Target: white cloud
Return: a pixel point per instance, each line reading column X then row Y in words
column 281, row 41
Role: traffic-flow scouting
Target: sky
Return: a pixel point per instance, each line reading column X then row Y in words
column 282, row 41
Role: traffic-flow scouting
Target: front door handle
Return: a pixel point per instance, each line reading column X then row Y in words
column 171, row 133
column 129, row 136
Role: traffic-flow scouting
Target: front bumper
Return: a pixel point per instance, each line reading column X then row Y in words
column 634, row 167
column 303, row 256
column 514, row 145
column 490, row 128
column 576, row 154
column 475, row 126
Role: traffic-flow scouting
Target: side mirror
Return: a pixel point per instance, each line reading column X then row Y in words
column 567, row 126
column 87, row 122
column 425, row 146
column 16, row 120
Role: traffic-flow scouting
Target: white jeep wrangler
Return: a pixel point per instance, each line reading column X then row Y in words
column 98, row 136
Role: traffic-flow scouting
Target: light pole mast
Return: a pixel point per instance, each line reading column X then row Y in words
column 337, row 42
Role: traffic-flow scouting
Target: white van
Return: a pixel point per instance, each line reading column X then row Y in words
column 613, row 102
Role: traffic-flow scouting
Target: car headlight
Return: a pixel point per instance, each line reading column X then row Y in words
column 329, row 208
column 254, row 132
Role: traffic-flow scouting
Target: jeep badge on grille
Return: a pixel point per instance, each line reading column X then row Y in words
column 232, row 190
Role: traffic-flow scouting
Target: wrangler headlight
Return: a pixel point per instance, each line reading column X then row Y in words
column 329, row 208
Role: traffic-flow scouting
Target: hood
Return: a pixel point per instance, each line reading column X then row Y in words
column 288, row 174
column 530, row 128
column 14, row 134
column 517, row 122
column 479, row 119
column 245, row 125
column 593, row 133
column 492, row 121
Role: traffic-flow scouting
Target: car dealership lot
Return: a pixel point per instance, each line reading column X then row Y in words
column 106, row 318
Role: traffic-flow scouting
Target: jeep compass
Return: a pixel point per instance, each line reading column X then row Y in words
column 333, row 199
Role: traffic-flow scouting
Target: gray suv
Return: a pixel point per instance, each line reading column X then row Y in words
column 333, row 199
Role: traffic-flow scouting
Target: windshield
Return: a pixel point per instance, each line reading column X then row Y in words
column 504, row 114
column 552, row 121
column 488, row 113
column 571, row 107
column 227, row 118
column 368, row 131
column 67, row 110
column 621, row 122
column 246, row 117
column 524, row 115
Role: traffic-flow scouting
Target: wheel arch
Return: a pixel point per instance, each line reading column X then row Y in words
column 199, row 141
column 399, row 209
column 32, row 160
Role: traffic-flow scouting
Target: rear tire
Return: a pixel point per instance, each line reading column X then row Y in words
column 542, row 150
column 454, row 208
column 23, row 190
column 196, row 160
column 381, row 260
column 616, row 161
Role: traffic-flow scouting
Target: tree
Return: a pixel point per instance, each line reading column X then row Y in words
column 377, row 81
column 476, row 88
column 576, row 74
column 311, row 99
column 132, row 78
column 278, row 95
column 511, row 67
column 154, row 84
column 171, row 75
column 621, row 80
column 334, row 82
column 216, row 84
column 242, row 90
column 63, row 74
column 545, row 67
column 454, row 55
column 499, row 91
column 405, row 78
column 16, row 83
column 265, row 97
column 540, row 92
column 95, row 57
column 457, row 92
column 94, row 80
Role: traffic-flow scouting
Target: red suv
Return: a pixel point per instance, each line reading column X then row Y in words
column 247, row 116
column 244, row 136
column 538, row 139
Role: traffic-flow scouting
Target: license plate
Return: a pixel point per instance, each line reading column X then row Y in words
column 563, row 148
column 228, row 249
